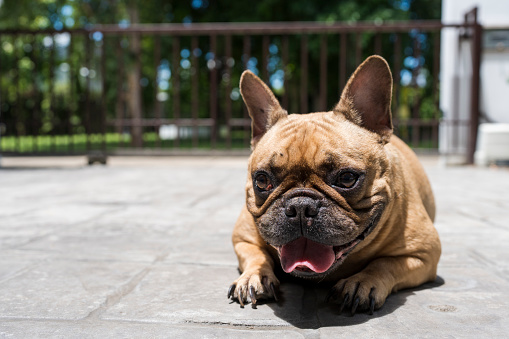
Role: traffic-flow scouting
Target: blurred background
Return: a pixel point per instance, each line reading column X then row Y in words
column 101, row 78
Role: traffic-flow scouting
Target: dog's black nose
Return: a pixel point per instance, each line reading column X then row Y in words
column 300, row 208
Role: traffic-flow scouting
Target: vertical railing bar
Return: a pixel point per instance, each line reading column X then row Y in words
column 323, row 73
column 416, row 125
column 17, row 111
column 29, row 120
column 53, row 136
column 213, row 93
column 194, row 89
column 137, row 123
column 1, row 98
column 103, row 94
column 396, row 76
column 36, row 113
column 358, row 48
column 228, row 107
column 454, row 124
column 284, row 59
column 157, row 103
column 304, row 75
column 436, row 92
column 265, row 58
column 176, row 87
column 87, row 93
column 342, row 61
column 70, row 106
column 247, row 55
column 120, row 103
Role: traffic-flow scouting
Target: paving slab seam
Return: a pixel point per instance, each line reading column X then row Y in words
column 307, row 333
column 118, row 294
column 125, row 289
column 22, row 271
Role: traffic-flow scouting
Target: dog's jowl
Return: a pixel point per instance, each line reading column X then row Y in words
column 334, row 197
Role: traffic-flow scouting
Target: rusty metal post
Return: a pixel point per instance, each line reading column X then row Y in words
column 474, row 89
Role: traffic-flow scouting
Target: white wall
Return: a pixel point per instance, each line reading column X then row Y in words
column 455, row 72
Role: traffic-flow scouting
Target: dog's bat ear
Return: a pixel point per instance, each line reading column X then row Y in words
column 366, row 99
column 262, row 105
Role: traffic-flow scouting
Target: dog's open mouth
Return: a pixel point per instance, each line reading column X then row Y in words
column 307, row 256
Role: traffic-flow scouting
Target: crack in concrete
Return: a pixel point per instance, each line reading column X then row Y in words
column 126, row 289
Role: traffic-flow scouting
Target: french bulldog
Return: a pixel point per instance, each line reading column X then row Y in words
column 334, row 197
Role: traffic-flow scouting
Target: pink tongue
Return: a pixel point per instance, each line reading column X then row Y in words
column 305, row 252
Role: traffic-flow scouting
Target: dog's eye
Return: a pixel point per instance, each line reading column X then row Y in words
column 263, row 183
column 347, row 180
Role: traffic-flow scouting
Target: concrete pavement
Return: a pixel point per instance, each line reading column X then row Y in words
column 141, row 248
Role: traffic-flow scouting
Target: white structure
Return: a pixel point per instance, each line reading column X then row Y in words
column 456, row 74
column 492, row 143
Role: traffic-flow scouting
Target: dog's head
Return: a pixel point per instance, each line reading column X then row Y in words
column 318, row 183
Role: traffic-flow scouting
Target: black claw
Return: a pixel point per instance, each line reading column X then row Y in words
column 345, row 301
column 371, row 302
column 231, row 290
column 371, row 305
column 355, row 304
column 241, row 298
column 252, row 295
column 273, row 290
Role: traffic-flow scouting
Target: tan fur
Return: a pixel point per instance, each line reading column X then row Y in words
column 404, row 248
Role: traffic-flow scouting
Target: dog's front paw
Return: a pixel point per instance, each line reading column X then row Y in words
column 360, row 292
column 257, row 285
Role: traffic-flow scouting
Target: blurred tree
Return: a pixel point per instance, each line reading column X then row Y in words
column 74, row 14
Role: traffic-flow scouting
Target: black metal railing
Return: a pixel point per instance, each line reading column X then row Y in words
column 175, row 86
